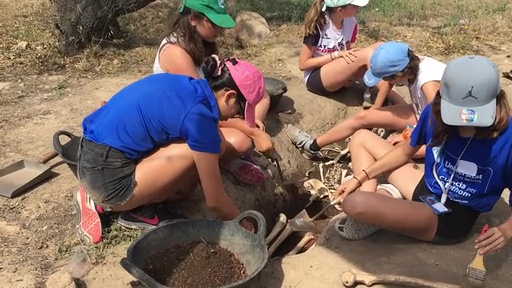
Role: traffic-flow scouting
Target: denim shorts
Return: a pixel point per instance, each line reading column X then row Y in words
column 106, row 173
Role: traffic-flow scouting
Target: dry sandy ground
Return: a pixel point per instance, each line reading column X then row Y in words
column 37, row 228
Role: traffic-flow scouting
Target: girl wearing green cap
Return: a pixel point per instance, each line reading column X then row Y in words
column 192, row 39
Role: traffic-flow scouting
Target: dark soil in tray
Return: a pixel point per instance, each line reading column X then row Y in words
column 198, row 264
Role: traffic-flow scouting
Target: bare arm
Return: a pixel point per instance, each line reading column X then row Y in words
column 430, row 90
column 384, row 89
column 174, row 59
column 216, row 198
column 260, row 138
column 241, row 125
column 421, row 152
column 395, row 158
column 262, row 107
column 308, row 62
column 392, row 160
column 495, row 238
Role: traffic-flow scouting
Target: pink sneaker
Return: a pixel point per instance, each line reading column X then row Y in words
column 245, row 171
column 88, row 220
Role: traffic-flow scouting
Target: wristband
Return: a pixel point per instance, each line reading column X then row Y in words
column 367, row 176
column 360, row 184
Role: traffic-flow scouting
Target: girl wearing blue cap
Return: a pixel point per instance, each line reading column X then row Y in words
column 468, row 133
column 396, row 64
column 156, row 138
column 192, row 39
column 327, row 57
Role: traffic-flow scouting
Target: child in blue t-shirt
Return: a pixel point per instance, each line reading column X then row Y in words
column 467, row 165
column 154, row 139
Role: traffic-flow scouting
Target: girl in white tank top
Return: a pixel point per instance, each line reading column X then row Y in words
column 192, row 39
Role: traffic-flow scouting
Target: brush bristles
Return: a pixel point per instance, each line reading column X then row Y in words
column 475, row 273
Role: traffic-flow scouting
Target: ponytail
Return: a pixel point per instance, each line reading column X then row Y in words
column 315, row 17
column 218, row 76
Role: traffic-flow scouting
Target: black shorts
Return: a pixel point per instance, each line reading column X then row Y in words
column 314, row 83
column 452, row 227
column 107, row 174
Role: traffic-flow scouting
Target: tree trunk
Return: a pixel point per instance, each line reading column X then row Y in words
column 81, row 21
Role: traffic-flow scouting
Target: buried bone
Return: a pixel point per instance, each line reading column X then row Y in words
column 350, row 278
column 302, row 243
column 284, row 234
column 280, row 224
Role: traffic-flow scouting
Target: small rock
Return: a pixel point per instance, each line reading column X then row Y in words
column 251, row 28
column 4, row 85
column 60, row 279
column 22, row 45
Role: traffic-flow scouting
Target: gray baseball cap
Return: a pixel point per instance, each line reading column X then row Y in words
column 469, row 87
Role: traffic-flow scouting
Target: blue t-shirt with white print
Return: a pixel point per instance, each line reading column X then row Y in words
column 156, row 111
column 483, row 172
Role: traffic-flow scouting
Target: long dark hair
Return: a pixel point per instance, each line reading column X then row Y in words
column 443, row 131
column 222, row 80
column 188, row 38
column 410, row 71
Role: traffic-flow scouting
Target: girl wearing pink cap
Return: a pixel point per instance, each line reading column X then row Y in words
column 156, row 138
column 192, row 38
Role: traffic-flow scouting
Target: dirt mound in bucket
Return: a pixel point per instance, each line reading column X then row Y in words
column 197, row 264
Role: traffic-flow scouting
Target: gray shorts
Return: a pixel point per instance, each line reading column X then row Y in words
column 106, row 173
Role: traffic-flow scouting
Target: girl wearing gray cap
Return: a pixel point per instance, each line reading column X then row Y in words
column 467, row 166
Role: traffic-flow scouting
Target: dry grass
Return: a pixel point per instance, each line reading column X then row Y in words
column 440, row 27
column 432, row 27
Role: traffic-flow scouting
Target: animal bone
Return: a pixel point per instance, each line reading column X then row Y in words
column 316, row 187
column 305, row 240
column 280, row 224
column 284, row 234
column 350, row 278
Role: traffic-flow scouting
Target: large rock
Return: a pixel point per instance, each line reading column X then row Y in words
column 251, row 28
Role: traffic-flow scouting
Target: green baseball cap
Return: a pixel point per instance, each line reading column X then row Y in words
column 215, row 10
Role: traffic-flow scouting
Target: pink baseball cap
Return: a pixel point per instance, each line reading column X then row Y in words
column 250, row 82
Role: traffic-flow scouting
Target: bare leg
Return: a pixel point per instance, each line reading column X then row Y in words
column 237, row 143
column 395, row 98
column 339, row 73
column 413, row 219
column 389, row 117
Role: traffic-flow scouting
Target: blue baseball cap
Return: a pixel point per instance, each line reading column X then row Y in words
column 388, row 59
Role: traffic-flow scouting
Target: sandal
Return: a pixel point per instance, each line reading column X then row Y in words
column 245, row 171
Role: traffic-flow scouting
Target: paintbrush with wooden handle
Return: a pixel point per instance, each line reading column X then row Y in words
column 476, row 270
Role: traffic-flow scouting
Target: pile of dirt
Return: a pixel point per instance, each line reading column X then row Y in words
column 197, row 264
